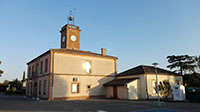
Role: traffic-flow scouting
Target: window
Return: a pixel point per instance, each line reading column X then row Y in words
column 29, row 71
column 41, row 67
column 44, row 87
column 27, row 88
column 46, row 65
column 177, row 82
column 32, row 70
column 154, row 84
column 31, row 88
column 40, row 83
column 75, row 79
column 36, row 68
column 87, row 67
column 75, row 88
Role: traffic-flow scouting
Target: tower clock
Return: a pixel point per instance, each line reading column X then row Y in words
column 70, row 37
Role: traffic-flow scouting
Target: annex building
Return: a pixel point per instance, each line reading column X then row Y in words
column 139, row 83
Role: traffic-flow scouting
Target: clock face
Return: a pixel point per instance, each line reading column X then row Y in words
column 63, row 38
column 73, row 38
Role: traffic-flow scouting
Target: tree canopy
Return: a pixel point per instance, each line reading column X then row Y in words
column 182, row 63
column 192, row 80
column 1, row 72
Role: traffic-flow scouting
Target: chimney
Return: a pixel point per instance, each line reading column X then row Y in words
column 103, row 51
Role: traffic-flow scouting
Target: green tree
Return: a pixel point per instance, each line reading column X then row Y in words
column 182, row 63
column 5, row 83
column 1, row 72
column 16, row 84
column 197, row 59
column 192, row 80
column 165, row 88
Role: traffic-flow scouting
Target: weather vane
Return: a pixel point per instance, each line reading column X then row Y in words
column 71, row 17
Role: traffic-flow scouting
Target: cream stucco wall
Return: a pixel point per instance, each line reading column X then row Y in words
column 38, row 61
column 109, row 91
column 42, row 79
column 63, row 85
column 40, row 75
column 68, row 66
column 144, row 84
column 141, row 84
column 73, row 64
column 122, row 92
column 161, row 77
column 133, row 90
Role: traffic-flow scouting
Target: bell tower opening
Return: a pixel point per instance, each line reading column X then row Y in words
column 70, row 34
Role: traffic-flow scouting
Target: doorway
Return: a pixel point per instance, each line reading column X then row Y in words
column 115, row 92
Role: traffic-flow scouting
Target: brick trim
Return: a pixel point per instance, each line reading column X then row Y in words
column 50, row 75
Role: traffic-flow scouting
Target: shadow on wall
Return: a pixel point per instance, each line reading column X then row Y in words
column 99, row 90
column 61, row 87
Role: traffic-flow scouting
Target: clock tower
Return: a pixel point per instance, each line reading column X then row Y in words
column 70, row 34
column 70, row 37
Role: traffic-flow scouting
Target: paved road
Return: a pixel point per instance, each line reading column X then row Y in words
column 17, row 104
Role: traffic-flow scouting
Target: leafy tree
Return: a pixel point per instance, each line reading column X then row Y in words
column 1, row 72
column 165, row 88
column 197, row 59
column 6, row 82
column 182, row 63
column 192, row 80
column 15, row 85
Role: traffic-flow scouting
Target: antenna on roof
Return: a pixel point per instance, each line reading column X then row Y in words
column 71, row 17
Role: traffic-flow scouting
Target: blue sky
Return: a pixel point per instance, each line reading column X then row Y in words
column 136, row 31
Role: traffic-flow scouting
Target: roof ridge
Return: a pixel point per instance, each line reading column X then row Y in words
column 143, row 69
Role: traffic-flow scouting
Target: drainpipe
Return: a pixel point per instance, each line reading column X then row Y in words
column 146, row 87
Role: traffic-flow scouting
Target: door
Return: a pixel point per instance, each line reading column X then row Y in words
column 35, row 89
column 115, row 92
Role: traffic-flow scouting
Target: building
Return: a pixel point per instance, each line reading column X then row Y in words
column 68, row 72
column 139, row 83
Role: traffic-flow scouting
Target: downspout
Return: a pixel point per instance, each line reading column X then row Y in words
column 115, row 66
column 146, row 87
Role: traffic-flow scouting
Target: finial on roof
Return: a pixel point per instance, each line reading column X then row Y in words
column 70, row 19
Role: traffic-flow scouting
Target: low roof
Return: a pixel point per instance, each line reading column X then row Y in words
column 144, row 69
column 119, row 82
column 72, row 51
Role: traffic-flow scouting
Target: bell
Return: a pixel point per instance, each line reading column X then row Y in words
column 70, row 18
